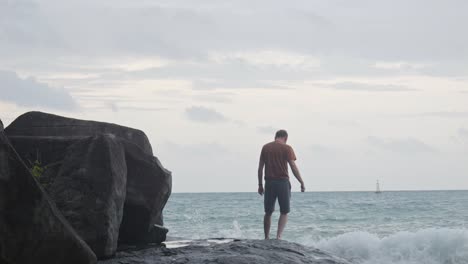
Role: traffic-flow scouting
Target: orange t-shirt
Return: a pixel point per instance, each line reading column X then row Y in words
column 276, row 157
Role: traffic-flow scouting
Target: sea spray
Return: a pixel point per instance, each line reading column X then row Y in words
column 429, row 246
column 234, row 232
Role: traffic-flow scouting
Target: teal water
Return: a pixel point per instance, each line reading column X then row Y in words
column 391, row 227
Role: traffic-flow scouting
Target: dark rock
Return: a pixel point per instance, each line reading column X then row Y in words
column 149, row 186
column 44, row 124
column 75, row 170
column 50, row 151
column 157, row 234
column 1, row 125
column 32, row 230
column 235, row 252
column 90, row 189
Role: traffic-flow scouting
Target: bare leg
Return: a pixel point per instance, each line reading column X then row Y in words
column 281, row 225
column 266, row 225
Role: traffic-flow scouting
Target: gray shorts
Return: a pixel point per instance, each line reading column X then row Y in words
column 280, row 189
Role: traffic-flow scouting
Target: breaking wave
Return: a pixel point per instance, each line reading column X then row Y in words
column 429, row 246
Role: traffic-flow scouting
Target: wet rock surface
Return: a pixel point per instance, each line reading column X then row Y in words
column 233, row 252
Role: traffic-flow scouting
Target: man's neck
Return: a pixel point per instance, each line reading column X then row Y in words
column 280, row 140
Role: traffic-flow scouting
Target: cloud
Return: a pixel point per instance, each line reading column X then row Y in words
column 204, row 115
column 239, row 123
column 369, row 32
column 24, row 29
column 267, row 58
column 115, row 107
column 405, row 145
column 322, row 150
column 207, row 75
column 463, row 134
column 267, row 130
column 356, row 86
column 215, row 98
column 446, row 114
column 229, row 83
column 265, row 33
column 30, row 93
column 400, row 65
column 344, row 123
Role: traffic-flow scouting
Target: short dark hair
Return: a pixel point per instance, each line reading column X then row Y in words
column 281, row 134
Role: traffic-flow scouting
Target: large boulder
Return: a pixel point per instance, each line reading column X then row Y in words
column 43, row 124
column 32, row 230
column 108, row 186
column 234, row 252
column 90, row 189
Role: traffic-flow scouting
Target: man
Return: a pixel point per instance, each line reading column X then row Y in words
column 275, row 157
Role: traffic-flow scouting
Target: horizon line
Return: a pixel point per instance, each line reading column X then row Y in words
column 382, row 191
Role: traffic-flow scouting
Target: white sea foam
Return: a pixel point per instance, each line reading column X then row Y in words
column 429, row 246
column 234, row 232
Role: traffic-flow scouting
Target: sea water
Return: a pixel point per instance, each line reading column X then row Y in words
column 407, row 227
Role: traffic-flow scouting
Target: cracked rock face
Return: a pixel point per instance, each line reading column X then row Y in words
column 233, row 252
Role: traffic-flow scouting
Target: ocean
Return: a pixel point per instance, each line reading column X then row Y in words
column 401, row 227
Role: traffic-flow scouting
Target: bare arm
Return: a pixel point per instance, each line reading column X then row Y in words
column 261, row 165
column 297, row 174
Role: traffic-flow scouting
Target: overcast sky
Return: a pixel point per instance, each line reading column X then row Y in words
column 367, row 89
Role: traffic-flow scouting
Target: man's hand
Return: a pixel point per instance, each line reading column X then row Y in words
column 296, row 173
column 260, row 190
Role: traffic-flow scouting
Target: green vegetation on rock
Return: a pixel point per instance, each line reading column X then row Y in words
column 37, row 169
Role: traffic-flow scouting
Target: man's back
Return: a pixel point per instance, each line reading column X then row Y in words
column 276, row 156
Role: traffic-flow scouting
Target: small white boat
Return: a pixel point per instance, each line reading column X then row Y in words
column 377, row 189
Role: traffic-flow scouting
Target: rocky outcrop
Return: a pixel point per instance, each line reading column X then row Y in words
column 90, row 190
column 43, row 124
column 235, row 252
column 103, row 177
column 32, row 230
